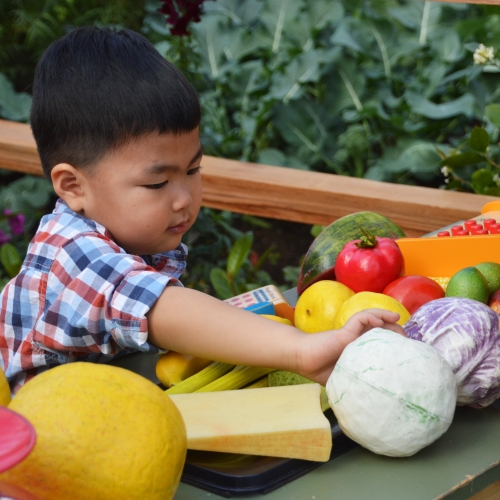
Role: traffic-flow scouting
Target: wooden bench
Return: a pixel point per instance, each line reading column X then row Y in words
column 289, row 194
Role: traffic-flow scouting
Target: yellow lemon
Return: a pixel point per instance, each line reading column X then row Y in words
column 4, row 390
column 369, row 300
column 277, row 318
column 319, row 304
column 103, row 432
column 173, row 367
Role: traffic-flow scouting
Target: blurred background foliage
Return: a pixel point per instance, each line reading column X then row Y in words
column 380, row 89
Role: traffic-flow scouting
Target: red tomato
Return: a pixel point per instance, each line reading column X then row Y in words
column 414, row 291
column 369, row 264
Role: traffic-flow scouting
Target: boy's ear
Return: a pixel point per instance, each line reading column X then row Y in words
column 69, row 183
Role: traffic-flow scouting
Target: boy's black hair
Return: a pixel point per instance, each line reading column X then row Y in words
column 97, row 88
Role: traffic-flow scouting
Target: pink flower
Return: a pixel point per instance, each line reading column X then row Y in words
column 16, row 222
column 4, row 238
column 179, row 13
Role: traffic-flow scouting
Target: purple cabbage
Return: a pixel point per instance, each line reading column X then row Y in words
column 465, row 333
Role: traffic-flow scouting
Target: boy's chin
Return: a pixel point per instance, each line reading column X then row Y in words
column 151, row 250
column 161, row 248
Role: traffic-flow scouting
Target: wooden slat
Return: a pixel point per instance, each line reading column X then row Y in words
column 317, row 198
column 289, row 194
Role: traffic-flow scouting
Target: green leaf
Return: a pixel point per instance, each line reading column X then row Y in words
column 346, row 87
column 238, row 253
column 291, row 274
column 492, row 191
column 271, row 156
column 344, row 36
column 10, row 259
column 468, row 73
column 302, row 125
column 246, row 80
column 239, row 12
column 410, row 156
column 256, row 221
column 492, row 112
column 481, row 179
column 304, row 68
column 220, row 282
column 324, row 12
column 377, row 173
column 211, row 45
column 464, row 105
column 239, row 43
column 462, row 159
column 412, row 16
column 316, row 230
column 479, row 139
column 276, row 17
column 13, row 106
column 449, row 47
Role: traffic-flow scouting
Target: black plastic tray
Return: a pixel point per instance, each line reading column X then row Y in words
column 231, row 474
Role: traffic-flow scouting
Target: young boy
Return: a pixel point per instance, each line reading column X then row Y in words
column 116, row 127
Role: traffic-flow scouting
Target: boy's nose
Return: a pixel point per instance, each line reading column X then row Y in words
column 183, row 198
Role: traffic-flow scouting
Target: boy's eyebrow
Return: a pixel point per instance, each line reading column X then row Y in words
column 161, row 168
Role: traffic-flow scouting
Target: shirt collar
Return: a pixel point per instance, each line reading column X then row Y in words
column 62, row 207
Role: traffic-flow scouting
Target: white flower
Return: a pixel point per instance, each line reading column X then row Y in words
column 483, row 54
column 446, row 171
column 496, row 179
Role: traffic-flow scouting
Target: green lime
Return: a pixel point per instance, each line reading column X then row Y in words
column 491, row 271
column 469, row 283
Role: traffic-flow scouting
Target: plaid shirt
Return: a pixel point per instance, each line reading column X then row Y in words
column 79, row 296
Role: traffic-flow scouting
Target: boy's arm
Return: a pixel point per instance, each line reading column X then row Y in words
column 194, row 323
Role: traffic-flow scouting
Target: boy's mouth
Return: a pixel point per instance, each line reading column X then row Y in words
column 179, row 228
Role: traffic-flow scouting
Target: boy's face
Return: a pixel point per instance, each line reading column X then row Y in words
column 147, row 193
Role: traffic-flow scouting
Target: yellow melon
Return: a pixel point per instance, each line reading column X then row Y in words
column 4, row 390
column 103, row 433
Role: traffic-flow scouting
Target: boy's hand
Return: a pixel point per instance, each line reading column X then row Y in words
column 317, row 358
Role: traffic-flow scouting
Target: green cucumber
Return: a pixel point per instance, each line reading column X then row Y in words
column 319, row 262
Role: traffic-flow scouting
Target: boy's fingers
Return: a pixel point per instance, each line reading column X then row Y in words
column 383, row 319
column 395, row 328
column 385, row 314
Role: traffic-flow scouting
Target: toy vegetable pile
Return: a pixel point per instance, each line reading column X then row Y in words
column 391, row 394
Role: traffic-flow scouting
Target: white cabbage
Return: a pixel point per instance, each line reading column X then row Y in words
column 391, row 394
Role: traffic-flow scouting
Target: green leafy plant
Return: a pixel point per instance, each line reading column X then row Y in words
column 368, row 89
column 23, row 201
column 240, row 274
column 221, row 257
column 28, row 27
column 474, row 165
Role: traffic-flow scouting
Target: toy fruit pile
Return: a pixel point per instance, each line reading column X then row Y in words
column 364, row 256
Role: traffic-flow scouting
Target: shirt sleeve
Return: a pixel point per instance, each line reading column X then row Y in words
column 97, row 299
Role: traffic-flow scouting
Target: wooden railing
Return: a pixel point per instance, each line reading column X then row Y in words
column 289, row 194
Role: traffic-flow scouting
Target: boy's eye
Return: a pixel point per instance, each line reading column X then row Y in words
column 156, row 186
column 194, row 170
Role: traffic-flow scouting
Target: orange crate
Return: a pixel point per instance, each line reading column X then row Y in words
column 444, row 256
